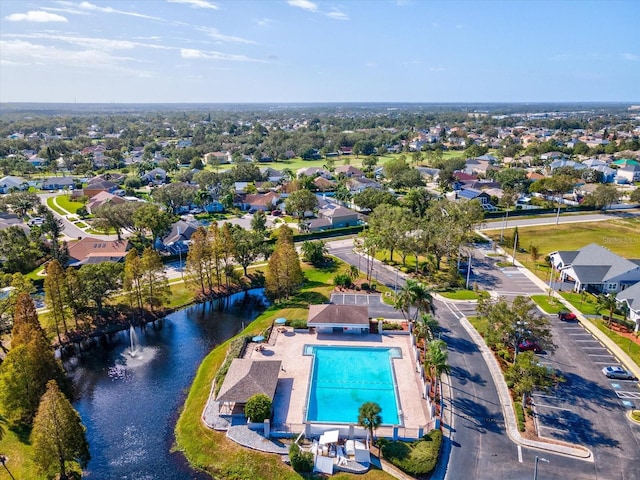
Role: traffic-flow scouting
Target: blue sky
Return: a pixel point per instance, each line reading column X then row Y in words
column 319, row 51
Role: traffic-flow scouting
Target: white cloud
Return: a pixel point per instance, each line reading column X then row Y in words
column 193, row 54
column 304, row 4
column 263, row 22
column 197, row 3
column 35, row 16
column 371, row 64
column 33, row 54
column 96, row 8
column 631, row 57
column 215, row 34
column 436, row 69
column 103, row 44
column 338, row 15
column 72, row 11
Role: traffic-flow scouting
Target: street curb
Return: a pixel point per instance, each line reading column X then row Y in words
column 506, row 402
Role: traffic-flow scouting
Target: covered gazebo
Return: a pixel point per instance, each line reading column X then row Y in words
column 245, row 379
column 332, row 318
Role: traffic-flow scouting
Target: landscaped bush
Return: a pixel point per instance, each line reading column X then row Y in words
column 414, row 458
column 519, row 415
column 342, row 280
column 301, row 462
column 258, row 408
column 299, row 324
column 391, row 326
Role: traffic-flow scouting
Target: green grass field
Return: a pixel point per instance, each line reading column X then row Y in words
column 547, row 303
column 54, row 206
column 65, row 202
column 463, row 295
column 619, row 236
column 629, row 347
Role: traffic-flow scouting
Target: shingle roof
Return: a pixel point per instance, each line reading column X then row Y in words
column 596, row 264
column 247, row 378
column 632, row 296
column 338, row 314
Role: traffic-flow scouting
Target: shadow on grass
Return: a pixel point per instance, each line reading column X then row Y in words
column 23, row 433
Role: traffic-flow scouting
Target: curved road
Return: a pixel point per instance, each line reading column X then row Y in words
column 478, row 446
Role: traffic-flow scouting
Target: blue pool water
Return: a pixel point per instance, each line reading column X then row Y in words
column 343, row 378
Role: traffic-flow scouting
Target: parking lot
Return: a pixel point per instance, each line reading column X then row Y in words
column 377, row 308
column 588, row 407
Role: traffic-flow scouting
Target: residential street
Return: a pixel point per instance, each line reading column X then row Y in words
column 479, row 446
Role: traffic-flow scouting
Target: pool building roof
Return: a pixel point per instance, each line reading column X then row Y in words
column 338, row 315
column 247, row 378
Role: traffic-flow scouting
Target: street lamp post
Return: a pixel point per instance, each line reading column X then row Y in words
column 535, row 469
column 468, row 271
column 3, row 461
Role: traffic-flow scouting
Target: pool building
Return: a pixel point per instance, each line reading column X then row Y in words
column 326, row 372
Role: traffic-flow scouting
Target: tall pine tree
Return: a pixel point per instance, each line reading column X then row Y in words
column 284, row 275
column 58, row 435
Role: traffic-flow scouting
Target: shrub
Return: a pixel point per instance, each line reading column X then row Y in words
column 364, row 286
column 414, row 458
column 519, row 415
column 258, row 408
column 342, row 280
column 301, row 462
column 391, row 326
column 299, row 324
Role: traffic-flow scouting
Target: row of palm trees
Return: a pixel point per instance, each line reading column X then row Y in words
column 416, row 304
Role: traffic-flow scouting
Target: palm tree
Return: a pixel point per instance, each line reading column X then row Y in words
column 424, row 328
column 607, row 301
column 353, row 273
column 413, row 295
column 369, row 417
column 435, row 361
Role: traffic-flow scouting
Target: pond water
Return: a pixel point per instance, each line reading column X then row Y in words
column 130, row 403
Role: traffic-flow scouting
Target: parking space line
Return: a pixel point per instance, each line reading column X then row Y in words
column 539, row 405
column 599, row 355
column 555, row 429
column 588, row 340
column 576, row 334
column 543, row 395
column 520, row 453
column 603, row 363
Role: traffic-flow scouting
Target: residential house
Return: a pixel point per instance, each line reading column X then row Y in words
column 324, row 185
column 428, row 173
column 331, row 216
column 177, row 240
column 552, row 156
column 314, row 172
column 472, row 194
column 628, row 174
column 11, row 220
column 157, row 176
column 271, row 174
column 11, row 183
column 94, row 188
column 631, row 297
column 359, row 184
column 58, row 183
column 566, row 163
column 477, row 166
column 348, row 171
column 260, row 201
column 596, row 269
column 102, row 198
column 93, row 250
column 110, row 177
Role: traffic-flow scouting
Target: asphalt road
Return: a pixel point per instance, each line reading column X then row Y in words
column 480, row 447
column 512, row 222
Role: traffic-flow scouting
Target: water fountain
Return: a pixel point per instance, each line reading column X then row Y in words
column 133, row 339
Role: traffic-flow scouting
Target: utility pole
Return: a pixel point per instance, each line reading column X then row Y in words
column 515, row 244
column 535, row 469
column 468, row 271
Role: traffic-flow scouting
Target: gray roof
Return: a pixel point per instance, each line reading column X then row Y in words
column 180, row 231
column 567, row 256
column 632, row 296
column 247, row 378
column 599, row 264
column 338, row 314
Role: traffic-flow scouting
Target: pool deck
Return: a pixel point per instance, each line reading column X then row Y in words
column 291, row 394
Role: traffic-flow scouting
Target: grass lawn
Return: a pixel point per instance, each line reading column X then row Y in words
column 480, row 324
column 586, row 302
column 626, row 345
column 53, row 206
column 463, row 295
column 619, row 236
column 547, row 303
column 80, row 224
column 19, row 453
column 65, row 202
column 211, row 451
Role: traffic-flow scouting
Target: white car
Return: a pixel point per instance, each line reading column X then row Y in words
column 618, row 372
column 35, row 221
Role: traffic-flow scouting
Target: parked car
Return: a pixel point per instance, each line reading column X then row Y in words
column 618, row 372
column 529, row 345
column 35, row 221
column 567, row 316
column 276, row 213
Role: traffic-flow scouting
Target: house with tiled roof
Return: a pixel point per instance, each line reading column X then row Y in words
column 102, row 198
column 595, row 269
column 259, row 201
column 331, row 216
column 348, row 171
column 93, row 250
column 10, row 183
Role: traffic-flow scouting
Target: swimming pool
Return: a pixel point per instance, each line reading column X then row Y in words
column 343, row 378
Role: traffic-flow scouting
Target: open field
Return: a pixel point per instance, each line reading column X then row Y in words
column 620, row 236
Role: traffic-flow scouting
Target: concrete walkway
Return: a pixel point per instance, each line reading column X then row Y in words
column 243, row 435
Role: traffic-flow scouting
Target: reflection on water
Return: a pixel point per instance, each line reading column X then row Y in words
column 130, row 404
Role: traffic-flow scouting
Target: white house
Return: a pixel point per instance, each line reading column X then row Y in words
column 631, row 296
